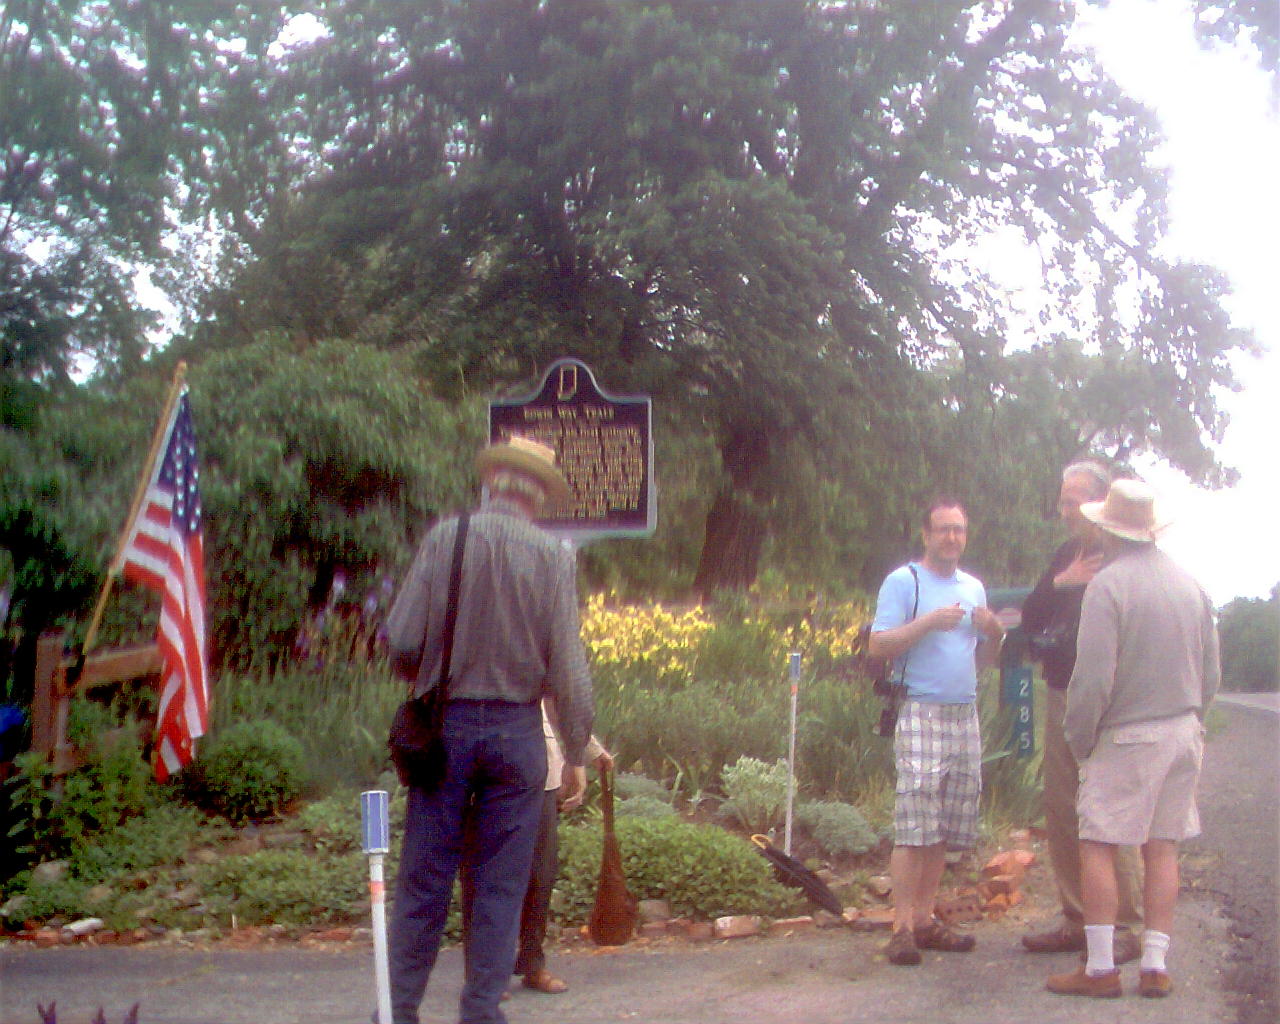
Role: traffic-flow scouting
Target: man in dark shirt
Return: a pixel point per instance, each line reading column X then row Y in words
column 1051, row 617
column 516, row 642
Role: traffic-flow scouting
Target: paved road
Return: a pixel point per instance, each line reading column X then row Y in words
column 820, row 978
column 1224, row 957
column 1237, row 860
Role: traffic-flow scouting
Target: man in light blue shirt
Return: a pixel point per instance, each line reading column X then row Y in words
column 933, row 623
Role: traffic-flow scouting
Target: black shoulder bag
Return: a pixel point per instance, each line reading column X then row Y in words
column 895, row 693
column 417, row 730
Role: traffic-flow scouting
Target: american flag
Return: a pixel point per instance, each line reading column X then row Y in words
column 164, row 550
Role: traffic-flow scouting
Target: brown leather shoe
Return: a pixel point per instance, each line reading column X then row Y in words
column 1066, row 938
column 1154, row 984
column 1125, row 947
column 1077, row 983
column 542, row 980
column 901, row 949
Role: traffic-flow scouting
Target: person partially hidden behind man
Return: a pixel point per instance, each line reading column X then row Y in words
column 516, row 642
column 1051, row 617
column 531, row 957
column 932, row 620
column 1146, row 671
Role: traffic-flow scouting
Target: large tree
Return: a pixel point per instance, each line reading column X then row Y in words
column 765, row 214
column 115, row 120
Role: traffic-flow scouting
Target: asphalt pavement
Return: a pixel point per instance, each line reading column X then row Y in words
column 1223, row 957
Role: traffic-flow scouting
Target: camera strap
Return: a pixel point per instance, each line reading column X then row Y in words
column 915, row 609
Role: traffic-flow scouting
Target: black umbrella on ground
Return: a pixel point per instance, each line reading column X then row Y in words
column 790, row 871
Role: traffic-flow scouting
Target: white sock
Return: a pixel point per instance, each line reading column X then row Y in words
column 1154, row 947
column 1099, row 939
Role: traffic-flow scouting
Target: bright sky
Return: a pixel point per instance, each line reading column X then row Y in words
column 1224, row 153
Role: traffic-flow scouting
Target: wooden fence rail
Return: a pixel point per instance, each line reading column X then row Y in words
column 53, row 692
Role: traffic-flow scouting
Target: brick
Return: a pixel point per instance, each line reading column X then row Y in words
column 959, row 909
column 1002, row 885
column 654, row 910
column 701, row 931
column 737, row 926
column 653, row 929
column 335, row 935
column 47, row 938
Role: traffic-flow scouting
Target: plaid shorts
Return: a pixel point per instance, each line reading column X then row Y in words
column 939, row 759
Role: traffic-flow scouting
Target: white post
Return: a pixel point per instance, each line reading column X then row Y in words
column 376, row 833
column 794, row 667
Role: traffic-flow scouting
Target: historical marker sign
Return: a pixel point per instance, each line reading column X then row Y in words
column 603, row 443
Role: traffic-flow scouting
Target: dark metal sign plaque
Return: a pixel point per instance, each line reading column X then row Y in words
column 603, row 444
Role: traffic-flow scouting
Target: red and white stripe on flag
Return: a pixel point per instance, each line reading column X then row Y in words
column 164, row 550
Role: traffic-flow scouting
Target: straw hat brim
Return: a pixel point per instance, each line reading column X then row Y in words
column 508, row 457
column 1095, row 512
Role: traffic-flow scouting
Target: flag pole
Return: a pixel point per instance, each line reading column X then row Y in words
column 175, row 389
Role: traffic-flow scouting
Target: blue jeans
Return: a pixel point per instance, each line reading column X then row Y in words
column 497, row 767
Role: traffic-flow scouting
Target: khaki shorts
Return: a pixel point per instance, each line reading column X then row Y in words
column 1140, row 782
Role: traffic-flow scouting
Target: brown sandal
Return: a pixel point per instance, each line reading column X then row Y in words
column 542, row 980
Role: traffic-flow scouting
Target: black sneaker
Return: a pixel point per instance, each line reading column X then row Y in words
column 901, row 949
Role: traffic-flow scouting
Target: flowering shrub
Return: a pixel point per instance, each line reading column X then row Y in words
column 682, row 693
column 645, row 642
column 654, row 643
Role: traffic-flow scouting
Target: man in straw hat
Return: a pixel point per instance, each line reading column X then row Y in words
column 516, row 641
column 1146, row 670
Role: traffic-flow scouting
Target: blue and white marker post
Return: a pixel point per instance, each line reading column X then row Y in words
column 793, row 668
column 375, row 829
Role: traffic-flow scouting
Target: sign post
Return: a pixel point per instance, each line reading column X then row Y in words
column 603, row 445
column 375, row 830
column 794, row 671
column 1017, row 691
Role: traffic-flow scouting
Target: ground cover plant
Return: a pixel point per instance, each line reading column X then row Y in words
column 693, row 701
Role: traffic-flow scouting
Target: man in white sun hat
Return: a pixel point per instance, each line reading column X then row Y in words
column 1146, row 670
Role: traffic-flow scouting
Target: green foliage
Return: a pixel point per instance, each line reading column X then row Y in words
column 111, row 116
column 763, row 215
column 251, row 770
column 628, row 785
column 338, row 706
column 333, row 822
column 645, row 807
column 161, row 835
column 838, row 828
column 697, row 729
column 124, row 860
column 1249, row 634
column 837, row 750
column 52, row 817
column 291, row 887
column 1011, row 788
column 319, row 459
column 756, row 793
column 701, row 870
